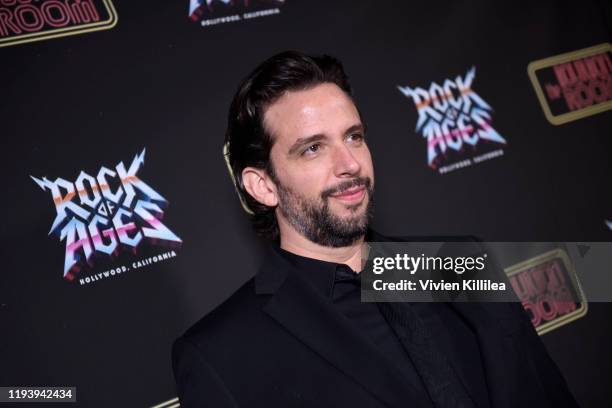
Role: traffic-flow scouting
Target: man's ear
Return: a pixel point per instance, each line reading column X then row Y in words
column 258, row 184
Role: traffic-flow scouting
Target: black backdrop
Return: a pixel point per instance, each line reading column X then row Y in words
column 160, row 81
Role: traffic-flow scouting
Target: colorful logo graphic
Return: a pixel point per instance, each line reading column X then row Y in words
column 24, row 21
column 453, row 118
column 574, row 85
column 548, row 289
column 102, row 215
column 212, row 12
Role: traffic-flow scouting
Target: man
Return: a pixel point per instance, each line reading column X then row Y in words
column 297, row 335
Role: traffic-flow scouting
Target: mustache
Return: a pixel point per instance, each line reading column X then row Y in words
column 346, row 185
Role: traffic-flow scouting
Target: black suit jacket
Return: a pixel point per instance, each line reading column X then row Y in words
column 276, row 342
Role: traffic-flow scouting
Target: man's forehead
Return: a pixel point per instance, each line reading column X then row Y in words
column 308, row 112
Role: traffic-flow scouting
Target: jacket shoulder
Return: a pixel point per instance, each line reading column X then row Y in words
column 229, row 319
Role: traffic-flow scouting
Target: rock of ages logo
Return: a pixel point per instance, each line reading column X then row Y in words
column 453, row 118
column 23, row 21
column 574, row 85
column 212, row 12
column 106, row 213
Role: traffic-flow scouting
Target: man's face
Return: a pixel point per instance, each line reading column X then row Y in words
column 323, row 169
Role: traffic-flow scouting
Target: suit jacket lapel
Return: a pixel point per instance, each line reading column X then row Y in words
column 496, row 332
column 496, row 329
column 442, row 345
column 314, row 321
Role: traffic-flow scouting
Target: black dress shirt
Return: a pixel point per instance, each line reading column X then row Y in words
column 448, row 327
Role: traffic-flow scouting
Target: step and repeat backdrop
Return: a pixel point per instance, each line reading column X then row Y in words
column 121, row 226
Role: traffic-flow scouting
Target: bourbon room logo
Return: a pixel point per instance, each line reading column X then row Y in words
column 574, row 85
column 100, row 216
column 23, row 21
column 549, row 290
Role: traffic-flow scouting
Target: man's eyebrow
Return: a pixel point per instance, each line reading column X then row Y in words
column 302, row 141
column 354, row 128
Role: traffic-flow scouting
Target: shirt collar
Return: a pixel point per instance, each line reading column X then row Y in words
column 321, row 274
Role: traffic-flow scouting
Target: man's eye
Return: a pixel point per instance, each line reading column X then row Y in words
column 356, row 136
column 313, row 148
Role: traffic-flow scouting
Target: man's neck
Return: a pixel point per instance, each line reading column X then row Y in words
column 296, row 243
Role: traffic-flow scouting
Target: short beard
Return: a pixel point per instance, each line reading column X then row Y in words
column 313, row 218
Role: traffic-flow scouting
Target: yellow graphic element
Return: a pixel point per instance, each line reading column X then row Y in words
column 245, row 207
column 571, row 272
column 560, row 59
column 171, row 403
column 66, row 31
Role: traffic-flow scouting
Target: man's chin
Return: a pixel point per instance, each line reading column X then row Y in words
column 347, row 214
column 350, row 217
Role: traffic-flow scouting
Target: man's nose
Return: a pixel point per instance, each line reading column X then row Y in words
column 345, row 162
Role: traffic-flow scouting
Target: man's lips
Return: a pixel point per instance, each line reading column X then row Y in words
column 352, row 194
